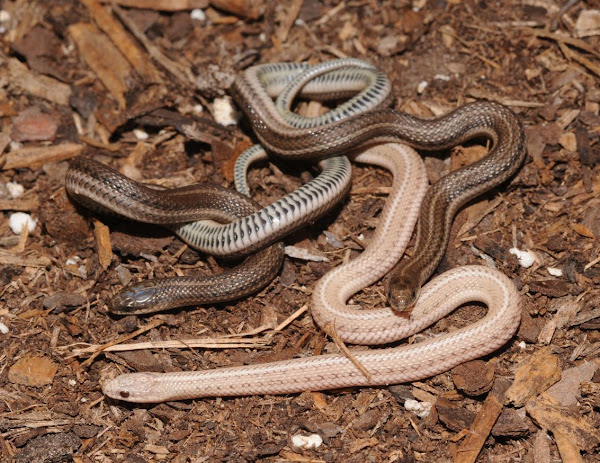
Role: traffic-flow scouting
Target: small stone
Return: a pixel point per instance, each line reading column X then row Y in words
column 124, row 275
column 421, row 409
column 224, row 112
column 198, row 14
column 391, row 45
column 555, row 272
column 302, row 442
column 526, row 258
column 15, row 190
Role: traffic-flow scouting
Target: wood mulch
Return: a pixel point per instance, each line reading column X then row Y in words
column 118, row 81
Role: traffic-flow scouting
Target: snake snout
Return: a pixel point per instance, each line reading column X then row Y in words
column 402, row 296
column 133, row 298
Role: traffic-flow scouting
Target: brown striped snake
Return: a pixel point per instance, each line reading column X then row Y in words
column 483, row 119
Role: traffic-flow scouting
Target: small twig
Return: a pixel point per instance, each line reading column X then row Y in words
column 205, row 343
column 124, row 338
column 329, row 328
column 577, row 43
column 30, row 204
column 291, row 318
column 38, row 155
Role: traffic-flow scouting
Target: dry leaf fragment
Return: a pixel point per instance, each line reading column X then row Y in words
column 33, row 371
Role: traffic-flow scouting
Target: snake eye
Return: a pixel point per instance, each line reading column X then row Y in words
column 124, row 394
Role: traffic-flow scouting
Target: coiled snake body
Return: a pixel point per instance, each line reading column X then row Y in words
column 484, row 119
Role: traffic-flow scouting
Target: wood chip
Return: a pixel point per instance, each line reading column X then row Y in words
column 104, row 59
column 41, row 86
column 572, row 430
column 251, row 9
column 8, row 258
column 103, row 246
column 161, row 5
column 30, row 204
column 480, row 429
column 122, row 40
column 536, row 375
column 36, row 156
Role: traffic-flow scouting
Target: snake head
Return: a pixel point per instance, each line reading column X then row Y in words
column 133, row 299
column 402, row 294
column 132, row 387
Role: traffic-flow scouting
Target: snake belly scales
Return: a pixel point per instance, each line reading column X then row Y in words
column 387, row 365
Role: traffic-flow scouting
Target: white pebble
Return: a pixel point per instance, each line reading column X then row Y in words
column 72, row 382
column 422, row 86
column 307, row 442
column 421, row 409
column 140, row 134
column 522, row 345
column 73, row 260
column 15, row 189
column 3, row 328
column 555, row 272
column 224, row 112
column 444, row 77
column 4, row 16
column 526, row 258
column 198, row 14
column 18, row 220
column 198, row 108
